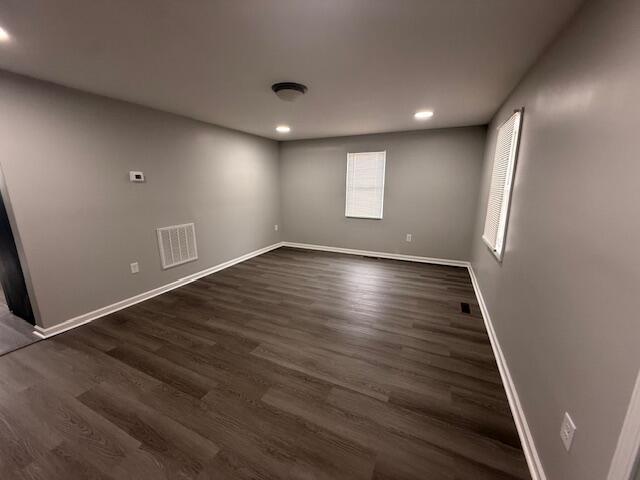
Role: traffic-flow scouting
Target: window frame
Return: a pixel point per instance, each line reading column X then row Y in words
column 346, row 196
column 505, row 209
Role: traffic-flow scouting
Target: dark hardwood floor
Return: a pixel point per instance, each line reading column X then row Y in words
column 293, row 365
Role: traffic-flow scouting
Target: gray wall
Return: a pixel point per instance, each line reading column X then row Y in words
column 66, row 157
column 565, row 299
column 431, row 188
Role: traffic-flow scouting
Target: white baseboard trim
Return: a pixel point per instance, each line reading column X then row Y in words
column 368, row 253
column 127, row 302
column 628, row 448
column 526, row 438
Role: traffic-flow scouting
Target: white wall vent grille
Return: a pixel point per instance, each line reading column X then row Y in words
column 177, row 244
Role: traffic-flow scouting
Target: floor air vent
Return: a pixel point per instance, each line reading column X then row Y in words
column 177, row 244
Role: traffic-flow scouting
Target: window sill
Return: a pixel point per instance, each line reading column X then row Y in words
column 363, row 218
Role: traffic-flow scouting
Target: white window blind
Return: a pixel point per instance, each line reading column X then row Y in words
column 504, row 160
column 365, row 184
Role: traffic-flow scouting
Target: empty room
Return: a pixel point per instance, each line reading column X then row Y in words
column 319, row 239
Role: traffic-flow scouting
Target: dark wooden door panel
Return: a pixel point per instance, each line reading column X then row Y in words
column 11, row 274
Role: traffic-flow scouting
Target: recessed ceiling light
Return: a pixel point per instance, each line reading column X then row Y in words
column 4, row 35
column 283, row 129
column 423, row 115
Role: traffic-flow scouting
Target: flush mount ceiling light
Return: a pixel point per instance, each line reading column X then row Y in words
column 283, row 129
column 423, row 114
column 4, row 35
column 289, row 91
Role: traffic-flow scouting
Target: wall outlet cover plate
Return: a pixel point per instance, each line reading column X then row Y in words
column 136, row 177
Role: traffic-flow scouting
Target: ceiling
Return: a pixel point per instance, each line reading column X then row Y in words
column 369, row 64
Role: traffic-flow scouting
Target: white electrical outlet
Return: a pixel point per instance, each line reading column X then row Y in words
column 136, row 177
column 275, row 227
column 135, row 268
column 567, row 429
column 409, row 237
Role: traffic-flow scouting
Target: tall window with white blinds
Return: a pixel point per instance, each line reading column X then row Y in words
column 504, row 162
column 365, row 184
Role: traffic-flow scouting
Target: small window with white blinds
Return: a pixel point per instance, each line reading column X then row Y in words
column 365, row 184
column 504, row 162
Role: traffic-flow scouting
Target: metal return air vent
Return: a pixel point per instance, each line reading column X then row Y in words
column 177, row 244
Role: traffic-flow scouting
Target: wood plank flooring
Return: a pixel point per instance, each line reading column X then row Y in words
column 293, row 365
